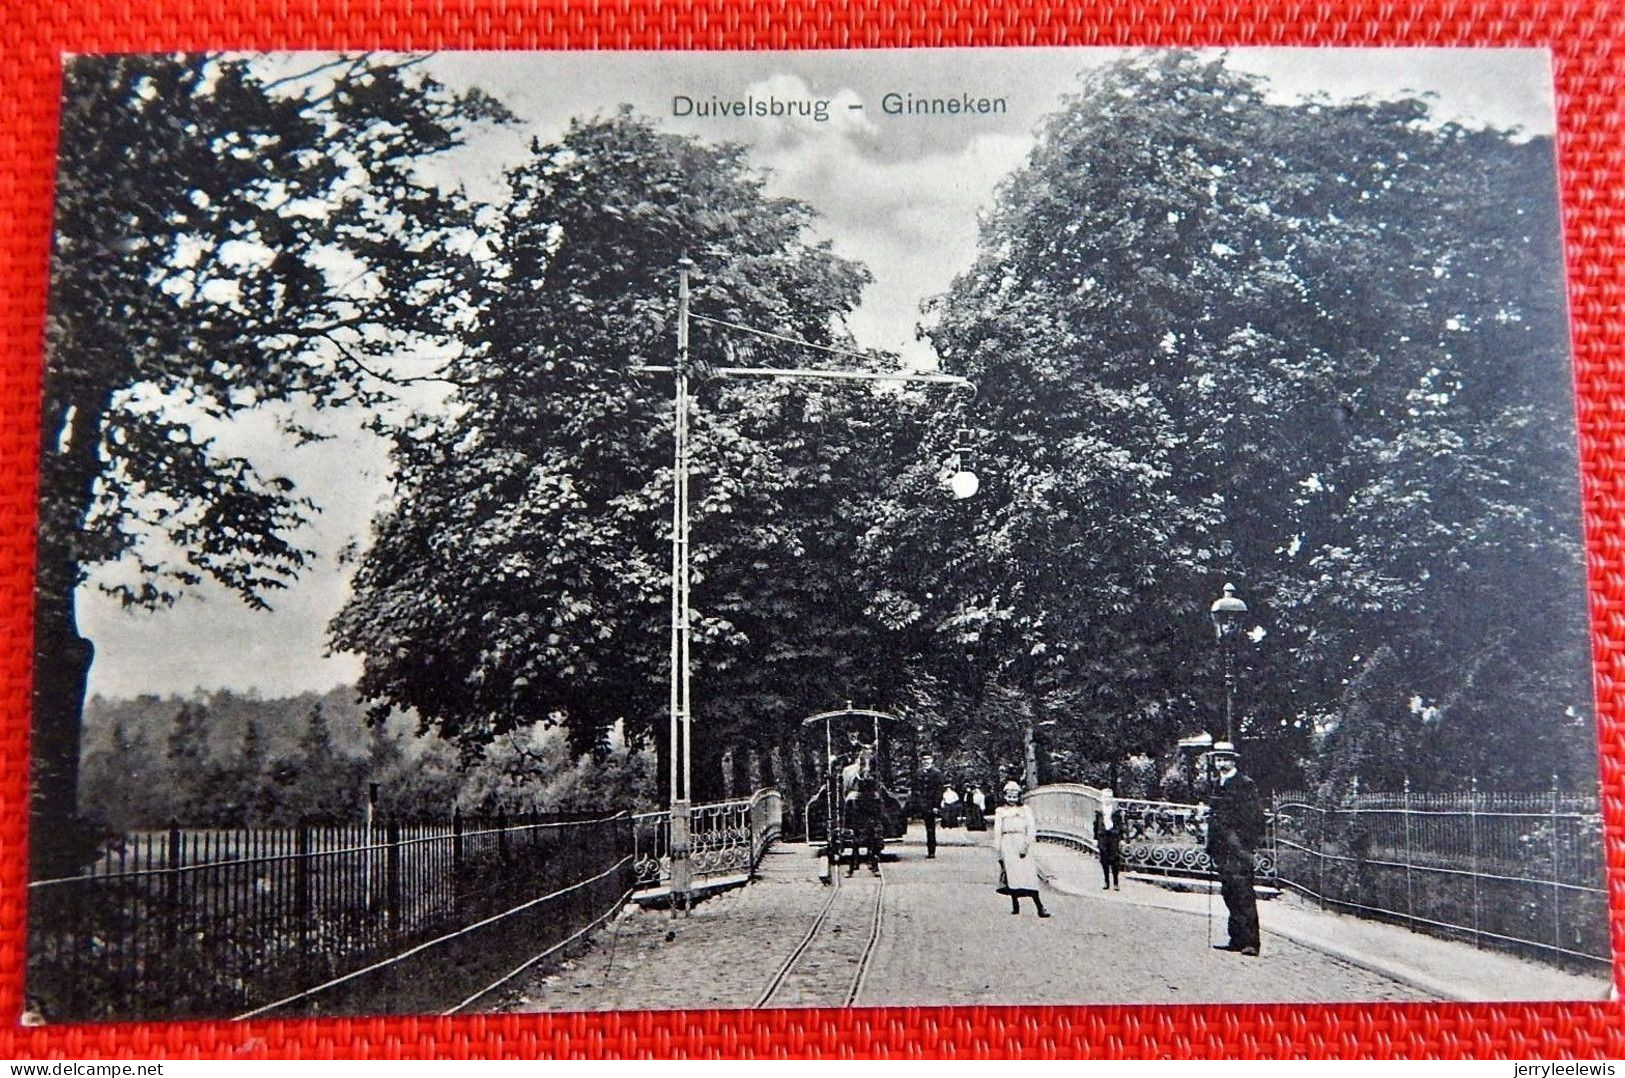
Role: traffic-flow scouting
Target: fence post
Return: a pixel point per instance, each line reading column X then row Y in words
column 1410, row 902
column 1353, row 847
column 502, row 836
column 1271, row 823
column 1320, row 857
column 392, row 879
column 457, row 843
column 172, row 885
column 369, row 840
column 1557, row 875
column 301, row 887
column 1472, row 839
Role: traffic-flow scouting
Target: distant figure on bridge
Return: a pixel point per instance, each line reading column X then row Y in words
column 1109, row 840
column 976, row 810
column 928, row 786
column 1014, row 830
column 1235, row 828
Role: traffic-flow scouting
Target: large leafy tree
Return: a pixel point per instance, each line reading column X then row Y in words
column 523, row 576
column 1317, row 349
column 225, row 241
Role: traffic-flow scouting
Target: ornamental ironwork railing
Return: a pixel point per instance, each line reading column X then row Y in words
column 726, row 838
column 1165, row 837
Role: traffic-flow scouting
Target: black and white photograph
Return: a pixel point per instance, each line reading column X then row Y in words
column 546, row 532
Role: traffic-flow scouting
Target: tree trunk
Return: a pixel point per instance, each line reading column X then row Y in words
column 793, row 775
column 730, row 774
column 706, row 774
column 739, row 767
column 1029, row 747
column 662, row 744
column 60, row 843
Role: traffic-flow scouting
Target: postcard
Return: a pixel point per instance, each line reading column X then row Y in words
column 586, row 531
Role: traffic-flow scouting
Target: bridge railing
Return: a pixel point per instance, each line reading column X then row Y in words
column 1164, row 837
column 766, row 822
column 726, row 838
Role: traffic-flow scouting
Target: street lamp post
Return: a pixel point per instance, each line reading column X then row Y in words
column 1226, row 613
column 680, row 700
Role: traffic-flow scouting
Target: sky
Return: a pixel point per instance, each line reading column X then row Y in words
column 900, row 193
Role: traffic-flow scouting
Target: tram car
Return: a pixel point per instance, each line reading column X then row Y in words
column 856, row 747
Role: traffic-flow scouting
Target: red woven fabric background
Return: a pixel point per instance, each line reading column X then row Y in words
column 1588, row 40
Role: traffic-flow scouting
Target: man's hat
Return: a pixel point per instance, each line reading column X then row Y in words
column 1224, row 748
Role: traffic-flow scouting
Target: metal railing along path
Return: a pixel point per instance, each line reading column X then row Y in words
column 1520, row 871
column 220, row 922
column 1163, row 837
column 726, row 838
column 200, row 923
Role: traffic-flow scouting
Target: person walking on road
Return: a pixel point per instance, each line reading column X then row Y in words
column 1109, row 840
column 928, row 786
column 1014, row 831
column 1235, row 828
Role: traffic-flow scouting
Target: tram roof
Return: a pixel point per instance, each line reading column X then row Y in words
column 849, row 712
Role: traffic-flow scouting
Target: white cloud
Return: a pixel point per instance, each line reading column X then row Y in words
column 912, row 222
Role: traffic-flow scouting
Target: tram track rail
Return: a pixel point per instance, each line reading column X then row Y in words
column 869, row 947
column 800, row 959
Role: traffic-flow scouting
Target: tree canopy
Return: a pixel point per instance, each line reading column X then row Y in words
column 524, row 573
column 226, row 240
column 1314, row 349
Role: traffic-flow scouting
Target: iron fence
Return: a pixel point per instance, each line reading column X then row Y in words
column 1521, row 872
column 204, row 923
column 726, row 838
column 1163, row 837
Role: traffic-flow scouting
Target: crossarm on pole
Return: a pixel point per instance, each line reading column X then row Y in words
column 822, row 372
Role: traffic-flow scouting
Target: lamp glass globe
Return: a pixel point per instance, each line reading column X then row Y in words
column 964, row 484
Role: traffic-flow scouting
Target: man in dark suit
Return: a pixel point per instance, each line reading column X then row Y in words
column 928, row 786
column 1235, row 828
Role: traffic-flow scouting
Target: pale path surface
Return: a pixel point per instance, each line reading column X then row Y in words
column 722, row 954
column 950, row 938
column 1437, row 968
column 946, row 938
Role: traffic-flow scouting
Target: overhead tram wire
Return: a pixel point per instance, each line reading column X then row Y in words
column 781, row 338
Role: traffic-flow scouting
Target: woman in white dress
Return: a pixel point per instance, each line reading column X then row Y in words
column 1014, row 830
